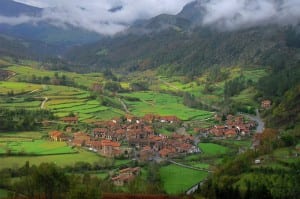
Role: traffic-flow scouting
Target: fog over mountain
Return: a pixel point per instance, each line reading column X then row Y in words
column 112, row 16
column 104, row 16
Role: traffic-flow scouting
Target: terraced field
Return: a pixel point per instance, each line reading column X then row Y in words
column 163, row 104
column 62, row 100
column 17, row 87
column 25, row 72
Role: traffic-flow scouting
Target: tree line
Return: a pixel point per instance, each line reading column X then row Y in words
column 22, row 119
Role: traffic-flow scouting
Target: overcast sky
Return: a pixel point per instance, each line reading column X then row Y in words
column 112, row 16
column 96, row 15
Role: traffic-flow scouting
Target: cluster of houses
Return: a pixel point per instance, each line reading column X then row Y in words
column 132, row 133
column 234, row 126
column 125, row 176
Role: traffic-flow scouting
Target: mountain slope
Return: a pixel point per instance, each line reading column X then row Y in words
column 13, row 9
column 40, row 31
column 189, row 51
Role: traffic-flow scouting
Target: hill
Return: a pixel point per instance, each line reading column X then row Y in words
column 41, row 31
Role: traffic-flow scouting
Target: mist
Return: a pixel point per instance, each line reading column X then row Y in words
column 236, row 14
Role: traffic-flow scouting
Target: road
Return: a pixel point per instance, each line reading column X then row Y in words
column 261, row 125
column 44, row 102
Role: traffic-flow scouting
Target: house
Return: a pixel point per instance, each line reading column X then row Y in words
column 230, row 133
column 94, row 145
column 70, row 120
column 146, row 153
column 100, row 132
column 125, row 176
column 265, row 104
column 149, row 118
column 56, row 136
column 80, row 139
column 167, row 152
column 110, row 148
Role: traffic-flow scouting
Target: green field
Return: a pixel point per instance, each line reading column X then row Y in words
column 201, row 165
column 212, row 149
column 25, row 72
column 36, row 147
column 24, row 134
column 60, row 160
column 178, row 180
column 18, row 87
column 162, row 104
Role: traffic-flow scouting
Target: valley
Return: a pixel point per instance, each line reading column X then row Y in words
column 87, row 97
column 97, row 102
column 192, row 99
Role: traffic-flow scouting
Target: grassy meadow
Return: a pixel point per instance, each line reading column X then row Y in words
column 61, row 160
column 212, row 149
column 177, row 179
column 162, row 104
column 35, row 147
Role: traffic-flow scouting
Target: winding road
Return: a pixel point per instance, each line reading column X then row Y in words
column 261, row 125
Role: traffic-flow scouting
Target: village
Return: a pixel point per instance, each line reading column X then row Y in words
column 135, row 138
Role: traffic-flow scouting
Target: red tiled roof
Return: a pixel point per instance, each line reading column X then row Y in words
column 110, row 143
column 55, row 133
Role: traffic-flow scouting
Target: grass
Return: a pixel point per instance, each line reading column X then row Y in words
column 23, row 72
column 37, row 147
column 60, row 160
column 177, row 179
column 239, row 143
column 3, row 193
column 17, row 87
column 201, row 165
column 163, row 104
column 213, row 149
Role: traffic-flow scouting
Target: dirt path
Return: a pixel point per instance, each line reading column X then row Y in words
column 124, row 105
column 44, row 102
column 36, row 90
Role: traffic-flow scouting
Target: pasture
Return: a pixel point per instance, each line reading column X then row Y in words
column 25, row 72
column 212, row 149
column 162, row 104
column 34, row 147
column 25, row 134
column 177, row 179
column 17, row 87
column 61, row 160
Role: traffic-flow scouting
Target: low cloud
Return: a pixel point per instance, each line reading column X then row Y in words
column 112, row 16
column 235, row 14
column 102, row 16
column 18, row 20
